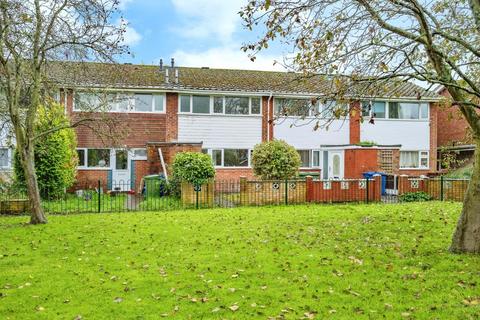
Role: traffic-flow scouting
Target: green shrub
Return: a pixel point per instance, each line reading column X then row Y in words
column 193, row 167
column 275, row 160
column 55, row 153
column 415, row 196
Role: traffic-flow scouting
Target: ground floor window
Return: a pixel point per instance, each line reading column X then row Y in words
column 309, row 158
column 4, row 158
column 414, row 159
column 230, row 158
column 93, row 158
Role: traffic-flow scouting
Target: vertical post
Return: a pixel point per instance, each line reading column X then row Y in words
column 196, row 188
column 309, row 187
column 366, row 189
column 243, row 191
column 286, row 191
column 441, row 188
column 99, row 196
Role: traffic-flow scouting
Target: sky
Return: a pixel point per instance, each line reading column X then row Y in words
column 197, row 33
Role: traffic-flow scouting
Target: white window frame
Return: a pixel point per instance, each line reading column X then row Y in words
column 310, row 158
column 86, row 167
column 420, row 157
column 130, row 96
column 212, row 99
column 135, row 157
column 9, row 159
column 387, row 112
column 210, row 152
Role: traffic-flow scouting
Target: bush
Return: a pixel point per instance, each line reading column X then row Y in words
column 55, row 154
column 193, row 167
column 415, row 196
column 274, row 160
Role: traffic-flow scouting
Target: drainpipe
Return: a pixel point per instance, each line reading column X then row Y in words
column 268, row 116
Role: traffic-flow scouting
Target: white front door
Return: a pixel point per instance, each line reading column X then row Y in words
column 121, row 170
column 335, row 164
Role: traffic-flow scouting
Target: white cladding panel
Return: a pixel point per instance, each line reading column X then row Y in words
column 301, row 134
column 220, row 131
column 412, row 135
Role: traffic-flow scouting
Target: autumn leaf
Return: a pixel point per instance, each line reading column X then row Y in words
column 234, row 307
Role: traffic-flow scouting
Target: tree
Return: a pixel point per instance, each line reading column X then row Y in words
column 366, row 46
column 55, row 155
column 35, row 36
column 276, row 159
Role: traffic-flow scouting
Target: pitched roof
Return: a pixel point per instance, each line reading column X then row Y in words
column 230, row 80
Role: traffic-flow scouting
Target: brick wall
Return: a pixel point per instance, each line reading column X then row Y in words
column 233, row 173
column 454, row 128
column 88, row 179
column 354, row 123
column 267, row 114
column 169, row 150
column 110, row 129
column 171, row 133
column 343, row 191
column 141, row 170
column 360, row 160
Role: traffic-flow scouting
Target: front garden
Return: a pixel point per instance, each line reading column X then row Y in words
column 339, row 261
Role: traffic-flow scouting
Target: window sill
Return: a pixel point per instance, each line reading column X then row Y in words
column 94, row 169
column 121, row 112
column 220, row 115
column 236, row 168
column 426, row 168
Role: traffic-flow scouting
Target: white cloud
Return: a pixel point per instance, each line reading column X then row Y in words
column 131, row 37
column 208, row 18
column 227, row 57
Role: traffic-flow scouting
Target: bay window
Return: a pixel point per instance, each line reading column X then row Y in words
column 414, row 159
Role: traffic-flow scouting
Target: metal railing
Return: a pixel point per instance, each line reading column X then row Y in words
column 156, row 195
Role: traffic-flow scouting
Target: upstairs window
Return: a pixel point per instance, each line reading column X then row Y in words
column 293, row 107
column 229, row 105
column 407, row 110
column 376, row 109
column 119, row 102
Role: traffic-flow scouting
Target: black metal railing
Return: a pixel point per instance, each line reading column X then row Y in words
column 156, row 195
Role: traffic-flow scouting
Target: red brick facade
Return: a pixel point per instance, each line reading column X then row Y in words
column 267, row 118
column 160, row 130
column 355, row 115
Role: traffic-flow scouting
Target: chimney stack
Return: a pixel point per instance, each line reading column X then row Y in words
column 173, row 63
column 161, row 65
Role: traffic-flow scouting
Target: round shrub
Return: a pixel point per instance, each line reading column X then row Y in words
column 55, row 153
column 193, row 167
column 274, row 160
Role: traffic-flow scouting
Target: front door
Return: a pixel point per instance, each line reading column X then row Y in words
column 335, row 165
column 121, row 172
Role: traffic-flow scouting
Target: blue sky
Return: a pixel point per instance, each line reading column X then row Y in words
column 195, row 32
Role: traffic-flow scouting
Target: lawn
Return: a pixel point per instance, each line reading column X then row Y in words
column 338, row 262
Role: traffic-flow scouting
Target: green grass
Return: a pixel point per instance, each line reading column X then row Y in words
column 327, row 262
column 160, row 203
column 73, row 204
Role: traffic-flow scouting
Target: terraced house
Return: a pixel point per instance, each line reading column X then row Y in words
column 225, row 113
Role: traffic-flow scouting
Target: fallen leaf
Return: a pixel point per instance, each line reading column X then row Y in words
column 234, row 307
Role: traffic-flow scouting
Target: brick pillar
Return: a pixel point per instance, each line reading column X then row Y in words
column 377, row 187
column 267, row 119
column 355, row 114
column 309, row 187
column 403, row 186
column 171, row 124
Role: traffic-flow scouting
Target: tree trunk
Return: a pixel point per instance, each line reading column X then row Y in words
column 466, row 238
column 37, row 215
